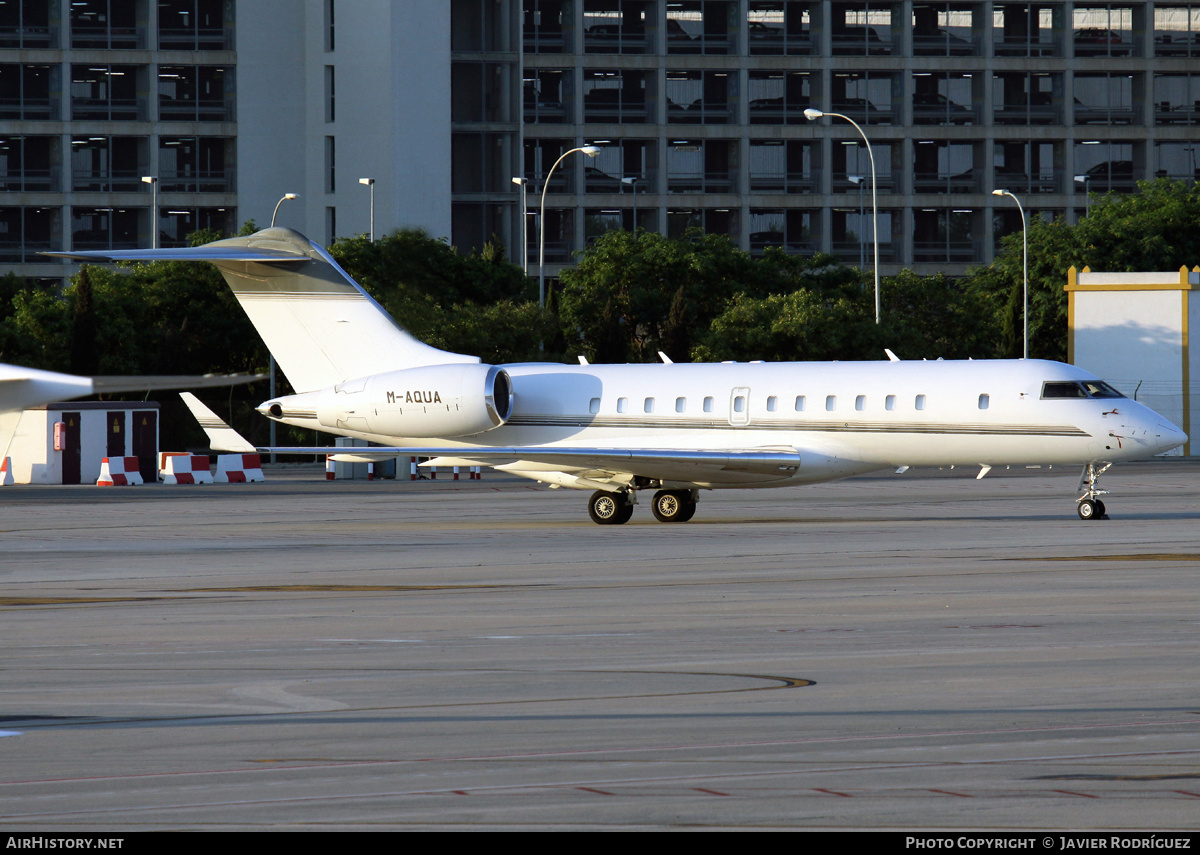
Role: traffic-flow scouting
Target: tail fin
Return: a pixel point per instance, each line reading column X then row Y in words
column 221, row 437
column 319, row 324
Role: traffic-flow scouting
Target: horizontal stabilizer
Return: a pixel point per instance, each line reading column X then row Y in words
column 185, row 253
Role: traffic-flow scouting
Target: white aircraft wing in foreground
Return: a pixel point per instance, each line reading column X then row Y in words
column 22, row 388
column 675, row 429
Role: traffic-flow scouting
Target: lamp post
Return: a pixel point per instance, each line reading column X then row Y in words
column 1087, row 199
column 632, row 181
column 523, row 183
column 370, row 182
column 590, row 151
column 813, row 115
column 287, row 197
column 1024, row 266
column 152, row 180
column 857, row 181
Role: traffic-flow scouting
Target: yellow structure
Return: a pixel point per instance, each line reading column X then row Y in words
column 1132, row 329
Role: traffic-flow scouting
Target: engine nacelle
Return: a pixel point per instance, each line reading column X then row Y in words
column 459, row 399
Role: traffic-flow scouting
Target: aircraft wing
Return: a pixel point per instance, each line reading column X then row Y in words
column 185, row 253
column 666, row 464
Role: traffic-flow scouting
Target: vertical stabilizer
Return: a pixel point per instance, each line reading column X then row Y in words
column 319, row 324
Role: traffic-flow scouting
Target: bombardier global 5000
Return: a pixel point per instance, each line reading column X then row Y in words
column 675, row 429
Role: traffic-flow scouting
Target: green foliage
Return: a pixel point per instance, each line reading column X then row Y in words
column 409, row 262
column 632, row 294
column 1153, row 229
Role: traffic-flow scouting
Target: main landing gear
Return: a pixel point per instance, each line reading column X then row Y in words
column 1090, row 506
column 607, row 508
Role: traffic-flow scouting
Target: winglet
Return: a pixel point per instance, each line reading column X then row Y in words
column 891, row 356
column 666, row 359
column 220, row 435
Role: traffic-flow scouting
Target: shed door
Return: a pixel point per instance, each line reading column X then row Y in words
column 71, row 455
column 115, row 434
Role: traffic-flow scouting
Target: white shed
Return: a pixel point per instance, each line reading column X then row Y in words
column 1132, row 329
column 87, row 432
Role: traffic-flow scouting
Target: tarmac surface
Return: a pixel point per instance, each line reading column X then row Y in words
column 920, row 651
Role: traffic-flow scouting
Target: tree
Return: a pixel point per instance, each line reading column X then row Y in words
column 1153, row 229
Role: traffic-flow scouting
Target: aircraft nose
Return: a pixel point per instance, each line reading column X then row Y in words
column 1168, row 436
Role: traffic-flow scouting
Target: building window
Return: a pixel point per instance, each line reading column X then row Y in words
column 330, row 165
column 330, row 95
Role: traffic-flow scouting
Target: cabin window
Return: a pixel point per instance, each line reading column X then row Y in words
column 983, row 401
column 889, row 402
column 772, row 404
column 648, row 406
column 680, row 404
column 860, row 403
column 830, row 403
column 739, row 404
column 622, row 404
column 920, row 402
column 594, row 406
column 800, row 403
column 708, row 404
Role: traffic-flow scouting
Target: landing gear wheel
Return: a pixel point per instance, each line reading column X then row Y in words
column 1090, row 510
column 1100, row 514
column 609, row 508
column 673, row 506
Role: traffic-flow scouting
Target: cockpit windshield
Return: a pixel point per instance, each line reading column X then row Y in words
column 1084, row 389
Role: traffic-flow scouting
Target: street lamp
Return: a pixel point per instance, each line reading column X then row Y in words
column 1024, row 265
column 1087, row 199
column 370, row 182
column 152, row 180
column 287, row 197
column 813, row 115
column 590, row 151
column 523, row 183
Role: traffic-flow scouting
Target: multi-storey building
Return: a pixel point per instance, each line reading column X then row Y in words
column 697, row 106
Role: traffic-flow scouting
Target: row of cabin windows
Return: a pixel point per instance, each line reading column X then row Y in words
column 801, row 403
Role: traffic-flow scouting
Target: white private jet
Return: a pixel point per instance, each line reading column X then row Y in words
column 673, row 428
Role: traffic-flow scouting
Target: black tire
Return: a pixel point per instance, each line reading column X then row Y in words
column 607, row 508
column 673, row 505
column 667, row 505
column 1100, row 512
column 1088, row 510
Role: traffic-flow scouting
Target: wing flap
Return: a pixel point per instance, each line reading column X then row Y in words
column 667, row 464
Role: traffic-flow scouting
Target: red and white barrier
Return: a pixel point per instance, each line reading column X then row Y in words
column 239, row 468
column 182, row 468
column 6, row 476
column 119, row 472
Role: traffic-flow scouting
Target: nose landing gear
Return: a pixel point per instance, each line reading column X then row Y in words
column 1090, row 506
